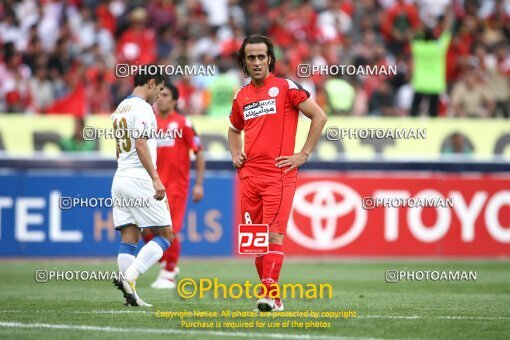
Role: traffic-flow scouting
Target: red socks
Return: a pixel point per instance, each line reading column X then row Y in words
column 259, row 262
column 171, row 255
column 271, row 265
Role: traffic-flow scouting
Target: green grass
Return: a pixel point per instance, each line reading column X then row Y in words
column 424, row 309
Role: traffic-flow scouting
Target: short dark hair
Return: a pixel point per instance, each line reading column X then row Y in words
column 256, row 39
column 148, row 72
column 173, row 89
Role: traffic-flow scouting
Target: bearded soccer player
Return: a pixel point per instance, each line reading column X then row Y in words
column 173, row 168
column 267, row 110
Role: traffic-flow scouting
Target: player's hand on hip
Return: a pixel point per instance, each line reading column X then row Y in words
column 198, row 192
column 293, row 162
column 239, row 160
column 160, row 189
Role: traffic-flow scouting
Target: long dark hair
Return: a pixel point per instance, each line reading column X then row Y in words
column 256, row 39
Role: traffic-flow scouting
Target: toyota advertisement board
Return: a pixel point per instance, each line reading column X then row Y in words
column 330, row 215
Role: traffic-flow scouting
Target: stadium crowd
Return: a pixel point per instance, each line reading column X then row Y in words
column 60, row 56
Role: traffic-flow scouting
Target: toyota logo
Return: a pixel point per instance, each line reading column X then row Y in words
column 318, row 202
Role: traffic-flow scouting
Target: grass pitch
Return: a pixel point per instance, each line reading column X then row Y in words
column 407, row 309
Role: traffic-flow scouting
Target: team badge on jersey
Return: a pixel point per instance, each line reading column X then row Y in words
column 273, row 92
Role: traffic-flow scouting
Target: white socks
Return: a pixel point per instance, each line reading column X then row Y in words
column 126, row 255
column 124, row 261
column 148, row 256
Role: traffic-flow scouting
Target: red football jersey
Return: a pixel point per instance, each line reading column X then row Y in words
column 173, row 160
column 269, row 117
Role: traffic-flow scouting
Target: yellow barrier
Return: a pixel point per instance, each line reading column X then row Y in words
column 487, row 137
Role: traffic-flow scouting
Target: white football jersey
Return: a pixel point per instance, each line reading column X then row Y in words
column 136, row 117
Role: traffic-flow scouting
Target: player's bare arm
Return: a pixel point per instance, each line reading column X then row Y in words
column 235, row 143
column 319, row 119
column 145, row 158
column 198, row 188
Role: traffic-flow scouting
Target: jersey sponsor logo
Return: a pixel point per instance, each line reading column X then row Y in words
column 273, row 92
column 260, row 108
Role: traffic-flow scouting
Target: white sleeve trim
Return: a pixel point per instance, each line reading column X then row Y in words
column 233, row 127
column 292, row 85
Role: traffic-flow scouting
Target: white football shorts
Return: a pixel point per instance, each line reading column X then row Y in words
column 131, row 191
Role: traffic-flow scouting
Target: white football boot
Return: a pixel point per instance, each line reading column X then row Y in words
column 166, row 279
column 278, row 305
column 129, row 291
column 266, row 304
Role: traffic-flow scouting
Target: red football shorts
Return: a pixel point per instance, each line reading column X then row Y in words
column 177, row 210
column 267, row 201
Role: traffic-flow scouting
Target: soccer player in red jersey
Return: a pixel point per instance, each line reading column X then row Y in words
column 173, row 164
column 267, row 110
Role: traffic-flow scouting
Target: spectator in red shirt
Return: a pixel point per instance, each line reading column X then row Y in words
column 138, row 43
column 399, row 24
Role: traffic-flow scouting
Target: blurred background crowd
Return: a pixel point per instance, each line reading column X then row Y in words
column 452, row 56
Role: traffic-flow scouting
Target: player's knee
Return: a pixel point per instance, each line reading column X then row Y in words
column 169, row 236
column 165, row 232
column 130, row 239
column 130, row 235
column 275, row 238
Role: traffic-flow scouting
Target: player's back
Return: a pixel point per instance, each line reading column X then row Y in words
column 133, row 118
